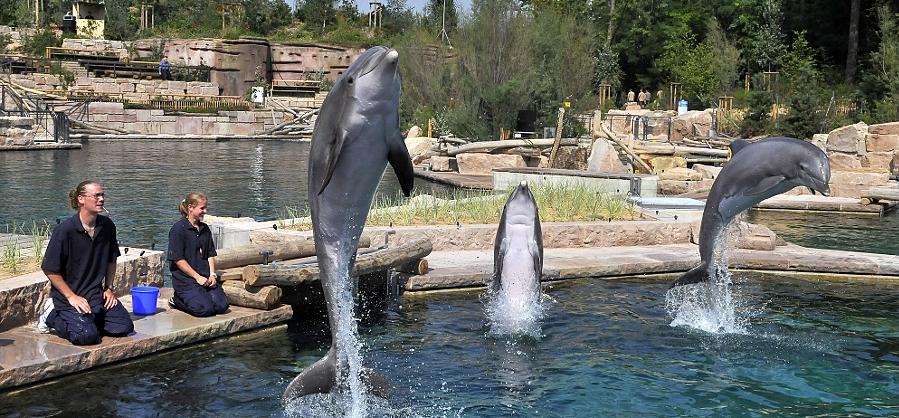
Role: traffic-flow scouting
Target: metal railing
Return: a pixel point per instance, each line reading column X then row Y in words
column 53, row 124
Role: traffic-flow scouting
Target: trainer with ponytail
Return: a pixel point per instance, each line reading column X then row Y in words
column 191, row 259
column 80, row 262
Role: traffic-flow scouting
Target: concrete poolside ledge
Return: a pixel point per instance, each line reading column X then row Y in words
column 466, row 269
column 27, row 356
column 40, row 147
column 815, row 203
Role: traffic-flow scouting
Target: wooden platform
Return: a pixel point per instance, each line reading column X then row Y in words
column 465, row 181
column 816, row 203
column 877, row 194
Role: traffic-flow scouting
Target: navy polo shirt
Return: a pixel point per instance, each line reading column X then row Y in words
column 193, row 244
column 80, row 260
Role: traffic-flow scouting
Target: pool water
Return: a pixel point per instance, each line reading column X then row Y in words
column 607, row 349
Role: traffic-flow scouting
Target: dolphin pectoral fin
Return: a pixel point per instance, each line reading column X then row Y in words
column 399, row 159
column 698, row 274
column 496, row 280
column 376, row 384
column 318, row 378
column 334, row 149
column 766, row 184
column 537, row 259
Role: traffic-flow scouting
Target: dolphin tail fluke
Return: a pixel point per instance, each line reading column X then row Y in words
column 696, row 275
column 399, row 159
column 376, row 383
column 318, row 378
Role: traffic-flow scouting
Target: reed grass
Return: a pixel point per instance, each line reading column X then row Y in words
column 13, row 261
column 556, row 203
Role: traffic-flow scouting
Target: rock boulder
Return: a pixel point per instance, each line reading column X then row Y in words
column 604, row 158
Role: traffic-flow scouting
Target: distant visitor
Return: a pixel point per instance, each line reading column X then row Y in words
column 165, row 69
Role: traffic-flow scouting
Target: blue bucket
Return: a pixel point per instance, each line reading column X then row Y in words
column 143, row 300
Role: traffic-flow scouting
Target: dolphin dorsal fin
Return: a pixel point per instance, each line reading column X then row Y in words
column 737, row 145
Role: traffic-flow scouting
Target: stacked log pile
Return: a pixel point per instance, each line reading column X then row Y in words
column 252, row 275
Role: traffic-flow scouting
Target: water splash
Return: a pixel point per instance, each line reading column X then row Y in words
column 708, row 306
column 349, row 348
column 515, row 311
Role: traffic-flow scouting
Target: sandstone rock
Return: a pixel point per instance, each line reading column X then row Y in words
column 878, row 160
column 880, row 143
column 755, row 237
column 443, row 164
column 660, row 164
column 632, row 106
column 419, row 145
column 604, row 158
column 673, row 187
column 708, row 171
column 891, row 128
column 572, row 158
column 684, row 125
column 849, row 138
column 414, row 132
column 851, row 183
column 841, row 160
column 481, row 163
column 820, row 141
column 680, row 173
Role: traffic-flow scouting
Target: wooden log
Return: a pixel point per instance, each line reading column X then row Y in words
column 292, row 275
column 484, row 146
column 667, row 149
column 241, row 294
column 250, row 254
column 417, row 267
column 231, row 274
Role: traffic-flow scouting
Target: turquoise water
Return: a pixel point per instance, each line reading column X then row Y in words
column 606, row 349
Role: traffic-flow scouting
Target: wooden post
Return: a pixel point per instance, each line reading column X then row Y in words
column 558, row 139
column 250, row 254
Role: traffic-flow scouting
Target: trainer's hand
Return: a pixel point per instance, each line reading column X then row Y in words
column 80, row 304
column 211, row 281
column 109, row 299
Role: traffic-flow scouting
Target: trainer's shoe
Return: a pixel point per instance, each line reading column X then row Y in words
column 42, row 326
column 172, row 302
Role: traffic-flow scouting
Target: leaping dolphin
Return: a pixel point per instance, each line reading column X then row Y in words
column 756, row 172
column 356, row 135
column 518, row 248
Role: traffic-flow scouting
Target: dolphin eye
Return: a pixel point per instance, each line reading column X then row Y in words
column 349, row 80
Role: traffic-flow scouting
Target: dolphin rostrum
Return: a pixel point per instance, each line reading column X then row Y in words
column 518, row 248
column 756, row 172
column 357, row 133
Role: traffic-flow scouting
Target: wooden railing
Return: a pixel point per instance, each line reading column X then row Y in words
column 72, row 54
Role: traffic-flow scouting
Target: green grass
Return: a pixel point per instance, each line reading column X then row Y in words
column 13, row 261
column 556, row 204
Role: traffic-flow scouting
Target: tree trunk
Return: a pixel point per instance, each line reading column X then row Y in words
column 293, row 275
column 611, row 29
column 241, row 294
column 249, row 254
column 852, row 48
column 486, row 146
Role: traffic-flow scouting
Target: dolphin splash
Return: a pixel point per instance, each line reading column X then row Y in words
column 756, row 172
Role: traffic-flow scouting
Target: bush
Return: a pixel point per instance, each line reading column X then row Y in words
column 757, row 121
column 37, row 44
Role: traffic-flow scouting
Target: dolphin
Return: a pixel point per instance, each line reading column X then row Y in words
column 756, row 172
column 518, row 248
column 356, row 135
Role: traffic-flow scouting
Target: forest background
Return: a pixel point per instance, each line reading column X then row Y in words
column 503, row 58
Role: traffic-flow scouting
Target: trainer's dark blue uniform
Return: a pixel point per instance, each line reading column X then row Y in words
column 194, row 245
column 82, row 262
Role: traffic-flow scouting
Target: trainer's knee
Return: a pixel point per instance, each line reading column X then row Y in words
column 86, row 336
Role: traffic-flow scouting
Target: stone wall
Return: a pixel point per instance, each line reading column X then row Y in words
column 297, row 61
column 98, row 45
column 16, row 131
column 858, row 146
column 156, row 121
column 22, row 298
column 127, row 87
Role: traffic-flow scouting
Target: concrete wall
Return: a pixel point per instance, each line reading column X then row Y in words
column 22, row 298
column 156, row 121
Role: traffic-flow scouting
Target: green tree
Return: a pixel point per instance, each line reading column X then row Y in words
column 757, row 119
column 495, row 69
column 806, row 114
column 687, row 62
column 724, row 56
column 767, row 48
column 434, row 16
column 884, row 78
